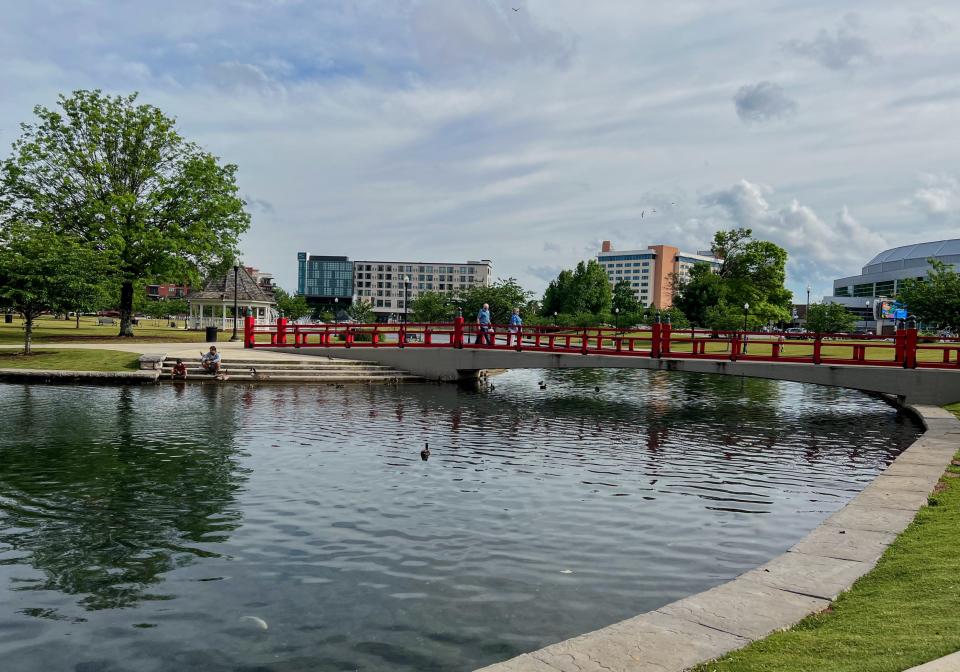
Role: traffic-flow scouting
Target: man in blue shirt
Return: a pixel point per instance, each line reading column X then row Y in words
column 483, row 326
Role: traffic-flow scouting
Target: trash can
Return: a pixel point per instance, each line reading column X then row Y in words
column 211, row 334
column 8, row 318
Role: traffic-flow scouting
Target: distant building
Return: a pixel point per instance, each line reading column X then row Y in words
column 164, row 292
column 335, row 281
column 381, row 283
column 649, row 271
column 869, row 295
column 324, row 279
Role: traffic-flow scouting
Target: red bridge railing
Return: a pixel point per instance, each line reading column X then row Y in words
column 906, row 349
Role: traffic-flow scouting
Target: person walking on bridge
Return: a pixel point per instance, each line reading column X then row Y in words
column 484, row 334
column 516, row 322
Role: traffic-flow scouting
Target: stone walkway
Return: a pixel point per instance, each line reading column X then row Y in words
column 949, row 663
column 776, row 595
column 184, row 350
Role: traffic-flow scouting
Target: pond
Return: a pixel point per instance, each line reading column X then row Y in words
column 219, row 527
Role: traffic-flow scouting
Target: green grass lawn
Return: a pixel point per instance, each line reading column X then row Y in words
column 903, row 613
column 71, row 360
column 48, row 330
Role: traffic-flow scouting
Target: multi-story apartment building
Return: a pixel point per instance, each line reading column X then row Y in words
column 650, row 271
column 331, row 280
column 386, row 285
column 163, row 292
column 324, row 279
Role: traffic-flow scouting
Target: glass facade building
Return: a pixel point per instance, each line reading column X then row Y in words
column 324, row 277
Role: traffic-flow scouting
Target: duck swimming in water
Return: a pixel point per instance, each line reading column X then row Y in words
column 425, row 453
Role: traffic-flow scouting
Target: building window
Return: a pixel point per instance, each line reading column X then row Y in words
column 885, row 288
column 863, row 290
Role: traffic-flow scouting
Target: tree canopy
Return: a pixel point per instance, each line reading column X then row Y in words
column 432, row 307
column 293, row 306
column 624, row 301
column 118, row 177
column 503, row 296
column 935, row 300
column 585, row 289
column 830, row 318
column 41, row 270
column 753, row 273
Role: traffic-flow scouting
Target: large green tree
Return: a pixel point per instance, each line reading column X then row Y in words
column 503, row 296
column 361, row 311
column 431, row 307
column 830, row 318
column 935, row 300
column 118, row 175
column 293, row 306
column 585, row 289
column 752, row 272
column 41, row 270
column 624, row 300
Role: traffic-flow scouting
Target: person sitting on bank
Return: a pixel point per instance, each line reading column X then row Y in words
column 179, row 370
column 211, row 361
column 483, row 326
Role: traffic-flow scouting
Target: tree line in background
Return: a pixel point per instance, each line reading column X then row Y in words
column 100, row 197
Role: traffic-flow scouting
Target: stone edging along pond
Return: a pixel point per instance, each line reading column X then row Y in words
column 775, row 595
column 88, row 377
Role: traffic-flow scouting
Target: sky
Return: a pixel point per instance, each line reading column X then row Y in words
column 528, row 131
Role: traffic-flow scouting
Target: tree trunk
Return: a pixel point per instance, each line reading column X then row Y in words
column 28, row 332
column 126, row 308
column 78, row 318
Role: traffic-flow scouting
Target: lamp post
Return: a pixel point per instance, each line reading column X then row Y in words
column 617, row 318
column 406, row 299
column 554, row 318
column 867, row 315
column 236, row 273
column 746, row 311
column 336, row 310
column 806, row 316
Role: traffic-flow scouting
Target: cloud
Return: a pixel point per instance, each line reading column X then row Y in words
column 938, row 199
column 454, row 34
column 818, row 250
column 763, row 102
column 237, row 77
column 843, row 48
column 552, row 247
column 545, row 273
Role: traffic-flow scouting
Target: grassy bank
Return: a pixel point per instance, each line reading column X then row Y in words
column 48, row 330
column 71, row 360
column 903, row 613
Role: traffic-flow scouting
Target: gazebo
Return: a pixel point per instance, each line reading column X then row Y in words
column 212, row 306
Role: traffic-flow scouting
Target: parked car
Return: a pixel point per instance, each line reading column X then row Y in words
column 795, row 332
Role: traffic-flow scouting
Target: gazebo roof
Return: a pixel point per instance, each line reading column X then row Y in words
column 220, row 289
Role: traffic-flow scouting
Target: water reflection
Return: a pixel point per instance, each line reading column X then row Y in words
column 102, row 491
column 142, row 529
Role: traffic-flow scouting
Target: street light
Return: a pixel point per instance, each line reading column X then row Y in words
column 336, row 310
column 867, row 315
column 806, row 317
column 617, row 318
column 236, row 273
column 406, row 299
column 746, row 311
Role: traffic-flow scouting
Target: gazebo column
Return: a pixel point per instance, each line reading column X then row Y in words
column 224, row 324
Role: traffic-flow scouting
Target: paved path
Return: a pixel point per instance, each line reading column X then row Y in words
column 949, row 663
column 776, row 595
column 226, row 348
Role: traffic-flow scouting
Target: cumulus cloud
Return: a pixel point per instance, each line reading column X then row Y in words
column 545, row 273
column 939, row 198
column 237, row 77
column 819, row 250
column 762, row 102
column 843, row 48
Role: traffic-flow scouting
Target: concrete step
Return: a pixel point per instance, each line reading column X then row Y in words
column 291, row 378
column 269, row 371
column 318, row 361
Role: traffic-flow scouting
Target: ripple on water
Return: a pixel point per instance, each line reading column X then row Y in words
column 139, row 526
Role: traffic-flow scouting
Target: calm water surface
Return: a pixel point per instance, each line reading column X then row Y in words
column 142, row 528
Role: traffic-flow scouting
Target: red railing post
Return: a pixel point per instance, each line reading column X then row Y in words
column 281, row 331
column 296, row 335
column 817, row 345
column 655, row 329
column 402, row 335
column 910, row 345
column 899, row 345
column 665, row 330
column 735, row 345
column 249, row 338
column 458, row 331
column 583, row 341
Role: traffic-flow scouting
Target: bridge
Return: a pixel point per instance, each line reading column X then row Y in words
column 917, row 369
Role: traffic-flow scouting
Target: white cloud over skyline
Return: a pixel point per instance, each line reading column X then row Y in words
column 455, row 129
